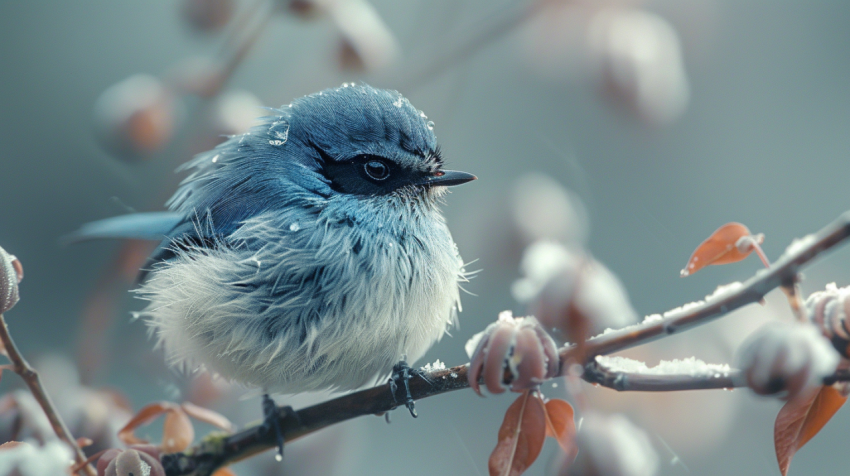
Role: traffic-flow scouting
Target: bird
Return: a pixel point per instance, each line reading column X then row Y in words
column 309, row 253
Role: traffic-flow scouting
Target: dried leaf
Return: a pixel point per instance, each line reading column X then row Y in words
column 799, row 421
column 561, row 425
column 520, row 437
column 82, row 442
column 11, row 445
column 207, row 416
column 145, row 416
column 224, row 472
column 719, row 248
column 177, row 432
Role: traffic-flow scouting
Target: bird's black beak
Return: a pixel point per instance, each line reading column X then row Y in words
column 447, row 178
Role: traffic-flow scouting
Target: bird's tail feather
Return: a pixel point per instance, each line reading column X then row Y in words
column 141, row 226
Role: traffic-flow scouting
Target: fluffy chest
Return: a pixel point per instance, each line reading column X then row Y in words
column 308, row 303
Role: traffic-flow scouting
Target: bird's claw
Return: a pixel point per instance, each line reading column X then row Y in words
column 403, row 372
column 271, row 422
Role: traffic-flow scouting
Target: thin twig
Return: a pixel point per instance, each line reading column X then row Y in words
column 672, row 382
column 795, row 300
column 204, row 458
column 455, row 52
column 30, row 377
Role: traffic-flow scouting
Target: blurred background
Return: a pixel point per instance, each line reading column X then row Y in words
column 667, row 118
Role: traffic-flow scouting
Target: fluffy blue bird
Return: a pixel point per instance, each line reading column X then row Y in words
column 309, row 253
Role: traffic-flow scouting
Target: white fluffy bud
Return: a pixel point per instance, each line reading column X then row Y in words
column 787, row 357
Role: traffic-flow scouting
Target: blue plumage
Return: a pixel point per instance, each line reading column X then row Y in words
column 309, row 253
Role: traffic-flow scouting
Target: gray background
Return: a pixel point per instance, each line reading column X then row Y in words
column 764, row 141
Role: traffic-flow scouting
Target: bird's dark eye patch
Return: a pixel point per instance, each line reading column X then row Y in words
column 368, row 175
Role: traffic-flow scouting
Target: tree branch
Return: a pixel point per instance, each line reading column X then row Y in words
column 782, row 273
column 215, row 452
column 30, row 377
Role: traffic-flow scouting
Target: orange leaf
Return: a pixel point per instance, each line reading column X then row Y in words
column 719, row 248
column 520, row 437
column 145, row 416
column 82, row 442
column 799, row 421
column 207, row 416
column 224, row 472
column 177, row 432
column 561, row 425
column 11, row 445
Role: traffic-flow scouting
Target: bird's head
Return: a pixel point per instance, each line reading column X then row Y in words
column 368, row 142
column 353, row 143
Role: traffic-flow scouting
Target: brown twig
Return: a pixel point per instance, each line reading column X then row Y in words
column 30, row 377
column 203, row 459
column 795, row 299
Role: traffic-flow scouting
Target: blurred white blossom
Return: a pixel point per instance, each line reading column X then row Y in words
column 136, row 117
column 234, row 112
column 365, row 40
column 788, row 357
column 638, row 59
column 208, row 15
column 611, row 445
column 53, row 458
column 543, row 209
column 558, row 281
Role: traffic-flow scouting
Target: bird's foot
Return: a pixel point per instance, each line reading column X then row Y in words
column 403, row 372
column 271, row 422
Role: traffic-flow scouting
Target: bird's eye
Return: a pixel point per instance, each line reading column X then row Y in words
column 376, row 170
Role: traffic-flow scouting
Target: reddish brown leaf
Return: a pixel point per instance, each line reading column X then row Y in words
column 224, row 472
column 207, row 416
column 561, row 425
column 145, row 416
column 719, row 248
column 177, row 432
column 11, row 445
column 799, row 421
column 520, row 437
column 82, row 442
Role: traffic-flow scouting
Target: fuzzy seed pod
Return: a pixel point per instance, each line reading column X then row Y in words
column 138, row 460
column 783, row 357
column 611, row 445
column 11, row 273
column 828, row 311
column 519, row 347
